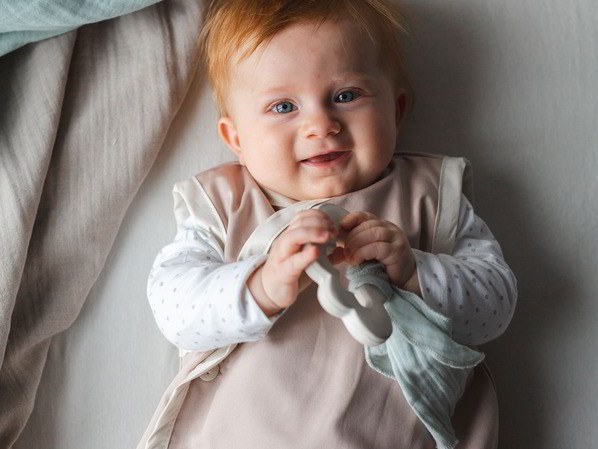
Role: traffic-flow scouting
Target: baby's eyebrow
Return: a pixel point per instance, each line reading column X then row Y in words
column 352, row 76
column 347, row 77
column 274, row 91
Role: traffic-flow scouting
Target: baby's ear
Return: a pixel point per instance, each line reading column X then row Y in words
column 229, row 135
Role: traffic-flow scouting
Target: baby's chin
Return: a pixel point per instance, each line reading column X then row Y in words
column 331, row 191
column 315, row 194
column 324, row 192
column 326, row 188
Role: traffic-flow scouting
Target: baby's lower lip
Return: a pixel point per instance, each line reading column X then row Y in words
column 335, row 158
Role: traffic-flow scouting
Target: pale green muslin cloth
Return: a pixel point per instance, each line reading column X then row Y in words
column 420, row 355
column 22, row 22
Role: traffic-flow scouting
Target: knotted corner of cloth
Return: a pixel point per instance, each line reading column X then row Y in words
column 430, row 367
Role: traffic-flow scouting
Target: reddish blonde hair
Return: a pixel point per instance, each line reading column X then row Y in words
column 233, row 29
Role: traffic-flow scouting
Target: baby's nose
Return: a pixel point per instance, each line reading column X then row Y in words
column 321, row 124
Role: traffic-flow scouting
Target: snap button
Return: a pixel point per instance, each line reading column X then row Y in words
column 210, row 375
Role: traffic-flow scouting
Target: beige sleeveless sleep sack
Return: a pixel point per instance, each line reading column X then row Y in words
column 307, row 384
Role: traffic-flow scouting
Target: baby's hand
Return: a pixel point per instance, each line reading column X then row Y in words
column 371, row 238
column 288, row 259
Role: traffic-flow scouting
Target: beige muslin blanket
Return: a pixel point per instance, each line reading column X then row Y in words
column 82, row 118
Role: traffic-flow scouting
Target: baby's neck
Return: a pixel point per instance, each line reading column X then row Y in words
column 280, row 201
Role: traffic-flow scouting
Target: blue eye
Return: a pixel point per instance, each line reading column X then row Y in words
column 346, row 96
column 283, row 107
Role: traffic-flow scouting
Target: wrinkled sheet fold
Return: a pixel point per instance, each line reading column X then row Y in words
column 82, row 118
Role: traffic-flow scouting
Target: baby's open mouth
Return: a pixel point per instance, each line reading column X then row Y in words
column 325, row 157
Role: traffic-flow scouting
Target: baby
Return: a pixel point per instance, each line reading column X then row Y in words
column 312, row 96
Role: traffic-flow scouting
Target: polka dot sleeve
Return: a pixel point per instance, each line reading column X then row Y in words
column 198, row 301
column 473, row 285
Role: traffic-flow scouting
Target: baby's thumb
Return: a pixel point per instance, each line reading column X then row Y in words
column 348, row 221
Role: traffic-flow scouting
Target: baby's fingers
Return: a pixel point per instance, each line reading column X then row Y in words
column 374, row 250
column 294, row 265
column 311, row 218
column 369, row 232
column 354, row 219
column 291, row 241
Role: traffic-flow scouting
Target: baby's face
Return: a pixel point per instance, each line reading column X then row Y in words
column 313, row 114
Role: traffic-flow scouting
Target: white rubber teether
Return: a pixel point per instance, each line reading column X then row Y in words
column 363, row 314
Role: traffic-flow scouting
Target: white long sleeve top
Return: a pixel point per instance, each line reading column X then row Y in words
column 201, row 303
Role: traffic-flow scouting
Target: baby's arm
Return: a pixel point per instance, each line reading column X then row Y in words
column 474, row 286
column 198, row 301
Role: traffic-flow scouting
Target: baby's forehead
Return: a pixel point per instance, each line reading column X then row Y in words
column 343, row 37
column 326, row 48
